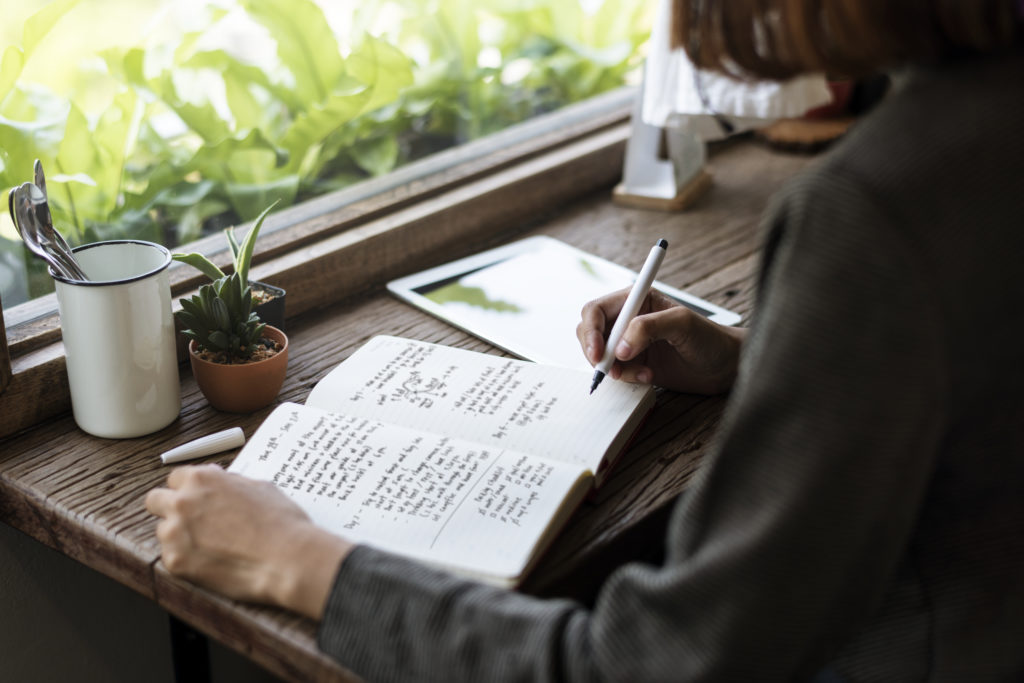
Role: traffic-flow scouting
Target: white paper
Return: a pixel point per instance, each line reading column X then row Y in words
column 495, row 401
column 444, row 501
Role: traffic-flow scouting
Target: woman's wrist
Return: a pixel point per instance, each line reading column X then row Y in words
column 306, row 570
column 735, row 336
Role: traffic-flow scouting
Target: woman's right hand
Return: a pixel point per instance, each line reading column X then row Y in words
column 245, row 539
column 667, row 344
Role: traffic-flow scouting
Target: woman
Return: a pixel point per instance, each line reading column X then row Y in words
column 862, row 515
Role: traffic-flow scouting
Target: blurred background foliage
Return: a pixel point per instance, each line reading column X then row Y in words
column 166, row 120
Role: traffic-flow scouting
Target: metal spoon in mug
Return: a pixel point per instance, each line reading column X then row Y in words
column 37, row 170
column 43, row 208
column 23, row 218
column 30, row 234
column 46, row 219
column 48, row 236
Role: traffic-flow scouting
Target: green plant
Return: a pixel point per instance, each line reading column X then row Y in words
column 278, row 124
column 241, row 254
column 171, row 136
column 220, row 319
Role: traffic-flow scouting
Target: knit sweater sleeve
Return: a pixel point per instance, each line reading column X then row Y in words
column 794, row 528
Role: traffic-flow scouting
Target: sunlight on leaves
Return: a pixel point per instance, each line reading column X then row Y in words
column 169, row 134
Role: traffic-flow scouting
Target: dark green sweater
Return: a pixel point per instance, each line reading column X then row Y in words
column 863, row 509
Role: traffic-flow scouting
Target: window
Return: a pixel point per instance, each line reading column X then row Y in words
column 432, row 203
column 167, row 120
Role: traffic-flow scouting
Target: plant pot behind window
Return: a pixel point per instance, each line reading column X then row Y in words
column 271, row 299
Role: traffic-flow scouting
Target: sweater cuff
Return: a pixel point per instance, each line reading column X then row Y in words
column 373, row 596
column 390, row 618
column 351, row 598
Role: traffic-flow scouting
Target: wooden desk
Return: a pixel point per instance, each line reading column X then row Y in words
column 84, row 496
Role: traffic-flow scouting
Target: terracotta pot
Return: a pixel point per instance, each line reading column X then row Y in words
column 242, row 388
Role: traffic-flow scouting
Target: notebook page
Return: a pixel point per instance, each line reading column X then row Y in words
column 495, row 401
column 434, row 498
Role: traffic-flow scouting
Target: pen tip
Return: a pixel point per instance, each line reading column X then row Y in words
column 598, row 376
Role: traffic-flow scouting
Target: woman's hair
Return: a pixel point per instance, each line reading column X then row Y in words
column 781, row 38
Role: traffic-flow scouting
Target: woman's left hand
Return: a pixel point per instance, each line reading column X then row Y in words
column 245, row 539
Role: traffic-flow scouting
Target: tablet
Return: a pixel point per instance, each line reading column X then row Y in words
column 526, row 297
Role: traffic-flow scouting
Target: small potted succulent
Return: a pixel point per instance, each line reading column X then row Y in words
column 239, row 361
column 269, row 300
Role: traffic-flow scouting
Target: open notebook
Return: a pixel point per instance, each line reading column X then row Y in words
column 460, row 459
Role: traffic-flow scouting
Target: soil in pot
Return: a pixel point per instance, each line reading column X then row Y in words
column 267, row 348
column 269, row 303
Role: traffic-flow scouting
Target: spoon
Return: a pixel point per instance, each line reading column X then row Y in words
column 29, row 230
column 48, row 236
column 40, row 179
column 21, row 207
column 46, row 220
column 44, row 208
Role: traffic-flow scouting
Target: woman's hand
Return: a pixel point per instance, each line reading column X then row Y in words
column 666, row 344
column 245, row 539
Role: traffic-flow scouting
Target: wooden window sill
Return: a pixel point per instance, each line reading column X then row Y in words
column 488, row 191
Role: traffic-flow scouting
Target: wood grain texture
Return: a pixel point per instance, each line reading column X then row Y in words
column 5, row 355
column 84, row 496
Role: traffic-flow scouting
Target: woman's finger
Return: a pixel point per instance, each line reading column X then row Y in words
column 158, row 502
column 672, row 325
column 596, row 320
column 184, row 474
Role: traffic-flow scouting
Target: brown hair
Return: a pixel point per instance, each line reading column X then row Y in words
column 782, row 38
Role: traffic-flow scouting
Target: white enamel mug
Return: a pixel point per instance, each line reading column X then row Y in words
column 119, row 339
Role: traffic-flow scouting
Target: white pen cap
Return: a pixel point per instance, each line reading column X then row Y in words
column 207, row 445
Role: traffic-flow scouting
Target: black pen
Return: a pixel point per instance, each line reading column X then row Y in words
column 641, row 287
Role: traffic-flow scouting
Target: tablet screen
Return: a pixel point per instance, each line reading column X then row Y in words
column 526, row 297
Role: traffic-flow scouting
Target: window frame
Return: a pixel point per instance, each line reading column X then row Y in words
column 444, row 206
